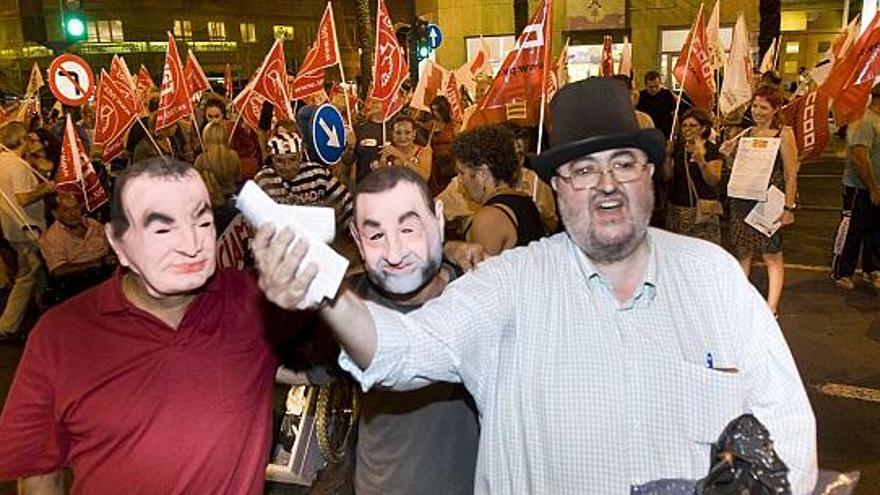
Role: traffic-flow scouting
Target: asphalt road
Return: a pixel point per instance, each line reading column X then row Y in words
column 833, row 334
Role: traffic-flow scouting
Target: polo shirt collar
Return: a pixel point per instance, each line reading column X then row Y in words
column 112, row 300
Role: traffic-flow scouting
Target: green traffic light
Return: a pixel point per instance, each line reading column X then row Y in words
column 423, row 51
column 75, row 27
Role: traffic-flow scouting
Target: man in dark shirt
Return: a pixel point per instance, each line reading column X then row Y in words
column 658, row 102
column 370, row 139
column 422, row 441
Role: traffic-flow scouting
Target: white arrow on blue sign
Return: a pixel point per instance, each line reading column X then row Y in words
column 435, row 36
column 328, row 134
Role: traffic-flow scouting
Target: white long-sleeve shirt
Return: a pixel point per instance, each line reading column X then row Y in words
column 577, row 391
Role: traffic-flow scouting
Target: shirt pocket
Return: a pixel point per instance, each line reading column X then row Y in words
column 714, row 399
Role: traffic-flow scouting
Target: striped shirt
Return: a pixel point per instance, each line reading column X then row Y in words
column 314, row 185
column 579, row 392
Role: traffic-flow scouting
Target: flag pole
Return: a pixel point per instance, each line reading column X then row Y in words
column 341, row 70
column 776, row 53
column 686, row 70
column 16, row 212
column 152, row 139
column 192, row 115
column 548, row 18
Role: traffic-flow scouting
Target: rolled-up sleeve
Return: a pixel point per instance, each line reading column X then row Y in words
column 453, row 338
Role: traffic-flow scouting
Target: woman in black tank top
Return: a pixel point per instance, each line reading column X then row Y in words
column 487, row 166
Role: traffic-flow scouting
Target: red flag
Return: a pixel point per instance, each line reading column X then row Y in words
column 115, row 112
column 75, row 173
column 227, row 81
column 122, row 77
column 144, row 80
column 306, row 84
column 325, row 46
column 174, row 100
column 453, row 94
column 520, row 83
column 695, row 72
column 861, row 65
column 249, row 104
column 607, row 57
column 391, row 106
column 389, row 66
column 196, row 80
column 271, row 80
column 808, row 117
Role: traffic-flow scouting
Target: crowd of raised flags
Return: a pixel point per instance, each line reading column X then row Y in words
column 712, row 79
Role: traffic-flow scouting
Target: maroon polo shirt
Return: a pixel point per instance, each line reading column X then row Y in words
column 134, row 406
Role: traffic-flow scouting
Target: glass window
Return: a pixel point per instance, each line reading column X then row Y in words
column 248, row 32
column 182, row 28
column 104, row 34
column 217, row 30
column 92, row 27
column 116, row 30
column 792, row 47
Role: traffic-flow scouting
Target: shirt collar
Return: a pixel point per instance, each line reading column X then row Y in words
column 589, row 272
column 111, row 299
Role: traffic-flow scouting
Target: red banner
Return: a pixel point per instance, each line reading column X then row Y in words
column 326, row 53
column 607, row 57
column 115, row 112
column 389, row 66
column 196, row 81
column 249, row 104
column 453, row 94
column 808, row 117
column 306, row 84
column 75, row 173
column 271, row 81
column 861, row 64
column 517, row 90
column 174, row 100
column 694, row 72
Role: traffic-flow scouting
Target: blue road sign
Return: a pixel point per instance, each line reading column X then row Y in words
column 435, row 36
column 328, row 134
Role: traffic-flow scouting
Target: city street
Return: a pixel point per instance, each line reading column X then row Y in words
column 834, row 334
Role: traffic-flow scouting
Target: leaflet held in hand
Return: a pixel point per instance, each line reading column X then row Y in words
column 316, row 224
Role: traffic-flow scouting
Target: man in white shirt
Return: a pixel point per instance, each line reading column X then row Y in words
column 23, row 219
column 604, row 357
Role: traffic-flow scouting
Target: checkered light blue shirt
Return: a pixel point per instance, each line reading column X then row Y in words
column 579, row 393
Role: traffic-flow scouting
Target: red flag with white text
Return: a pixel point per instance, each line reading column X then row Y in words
column 517, row 90
column 75, row 173
column 271, row 81
column 863, row 65
column 695, row 71
column 115, row 112
column 325, row 45
column 196, row 80
column 390, row 68
column 306, row 84
column 453, row 94
column 249, row 104
column 124, row 82
column 808, row 117
column 174, row 99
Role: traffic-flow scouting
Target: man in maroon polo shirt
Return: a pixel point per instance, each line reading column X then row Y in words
column 157, row 381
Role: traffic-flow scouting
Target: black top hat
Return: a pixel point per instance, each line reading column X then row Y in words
column 590, row 116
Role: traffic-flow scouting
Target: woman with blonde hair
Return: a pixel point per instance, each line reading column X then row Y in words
column 220, row 168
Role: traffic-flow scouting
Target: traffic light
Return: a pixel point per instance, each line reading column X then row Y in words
column 73, row 21
column 420, row 46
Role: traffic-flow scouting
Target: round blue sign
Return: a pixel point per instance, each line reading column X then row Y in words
column 328, row 134
column 435, row 36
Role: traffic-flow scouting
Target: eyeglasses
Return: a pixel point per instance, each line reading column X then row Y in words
column 588, row 176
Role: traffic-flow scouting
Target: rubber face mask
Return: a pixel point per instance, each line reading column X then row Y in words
column 170, row 242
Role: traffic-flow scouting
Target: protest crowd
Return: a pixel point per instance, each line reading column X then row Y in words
column 547, row 287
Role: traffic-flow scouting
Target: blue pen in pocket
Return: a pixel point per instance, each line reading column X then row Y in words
column 710, row 363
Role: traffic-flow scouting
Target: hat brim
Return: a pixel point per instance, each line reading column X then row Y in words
column 651, row 141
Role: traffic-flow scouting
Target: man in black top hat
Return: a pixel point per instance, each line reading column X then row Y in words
column 600, row 358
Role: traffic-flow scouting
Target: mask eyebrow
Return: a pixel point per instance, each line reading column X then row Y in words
column 156, row 217
column 407, row 216
column 205, row 208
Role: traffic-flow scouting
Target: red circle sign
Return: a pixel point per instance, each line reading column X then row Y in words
column 71, row 80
